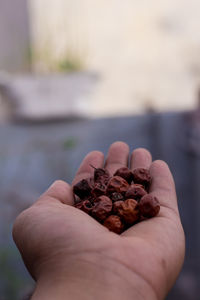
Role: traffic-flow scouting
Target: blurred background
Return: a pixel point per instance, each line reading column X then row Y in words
column 76, row 76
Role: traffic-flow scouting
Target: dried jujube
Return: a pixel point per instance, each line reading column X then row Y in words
column 142, row 176
column 99, row 189
column 102, row 208
column 83, row 188
column 127, row 210
column 117, row 184
column 101, row 175
column 116, row 197
column 114, row 223
column 117, row 201
column 85, row 206
column 125, row 173
column 149, row 206
column 135, row 191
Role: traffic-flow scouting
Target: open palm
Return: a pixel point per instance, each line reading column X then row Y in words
column 53, row 235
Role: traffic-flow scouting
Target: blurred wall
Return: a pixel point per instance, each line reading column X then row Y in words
column 147, row 51
column 14, row 36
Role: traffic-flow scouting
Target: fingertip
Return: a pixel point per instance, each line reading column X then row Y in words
column 141, row 158
column 94, row 154
column 58, row 184
column 92, row 159
column 159, row 164
column 119, row 145
column 163, row 185
column 117, row 156
column 160, row 167
column 143, row 151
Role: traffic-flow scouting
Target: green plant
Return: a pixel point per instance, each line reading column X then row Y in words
column 11, row 281
column 70, row 63
column 69, row 143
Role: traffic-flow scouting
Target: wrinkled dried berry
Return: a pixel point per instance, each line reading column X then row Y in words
column 135, row 191
column 114, row 223
column 102, row 208
column 116, row 206
column 83, row 188
column 125, row 173
column 149, row 206
column 101, row 175
column 117, row 184
column 116, row 197
column 85, row 205
column 117, row 202
column 99, row 189
column 127, row 210
column 142, row 176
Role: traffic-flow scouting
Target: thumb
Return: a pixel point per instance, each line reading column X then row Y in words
column 59, row 191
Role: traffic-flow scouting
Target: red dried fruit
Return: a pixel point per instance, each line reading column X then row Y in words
column 116, row 197
column 142, row 176
column 117, row 184
column 125, row 173
column 101, row 175
column 135, row 191
column 114, row 201
column 114, row 223
column 102, row 208
column 85, row 205
column 149, row 206
column 83, row 188
column 128, row 210
column 99, row 189
column 116, row 206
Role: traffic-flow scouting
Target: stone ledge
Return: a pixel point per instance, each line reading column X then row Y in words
column 48, row 97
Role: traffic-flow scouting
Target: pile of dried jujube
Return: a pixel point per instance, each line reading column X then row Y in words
column 117, row 201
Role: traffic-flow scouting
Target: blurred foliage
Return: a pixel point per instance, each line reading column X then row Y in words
column 70, row 143
column 70, row 61
column 70, row 64
column 11, row 283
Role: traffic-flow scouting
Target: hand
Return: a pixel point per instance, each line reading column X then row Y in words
column 71, row 254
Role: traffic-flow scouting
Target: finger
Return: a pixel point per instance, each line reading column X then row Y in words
column 163, row 186
column 117, row 157
column 163, row 235
column 59, row 191
column 95, row 159
column 140, row 158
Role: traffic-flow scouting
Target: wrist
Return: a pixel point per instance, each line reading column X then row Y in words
column 90, row 278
